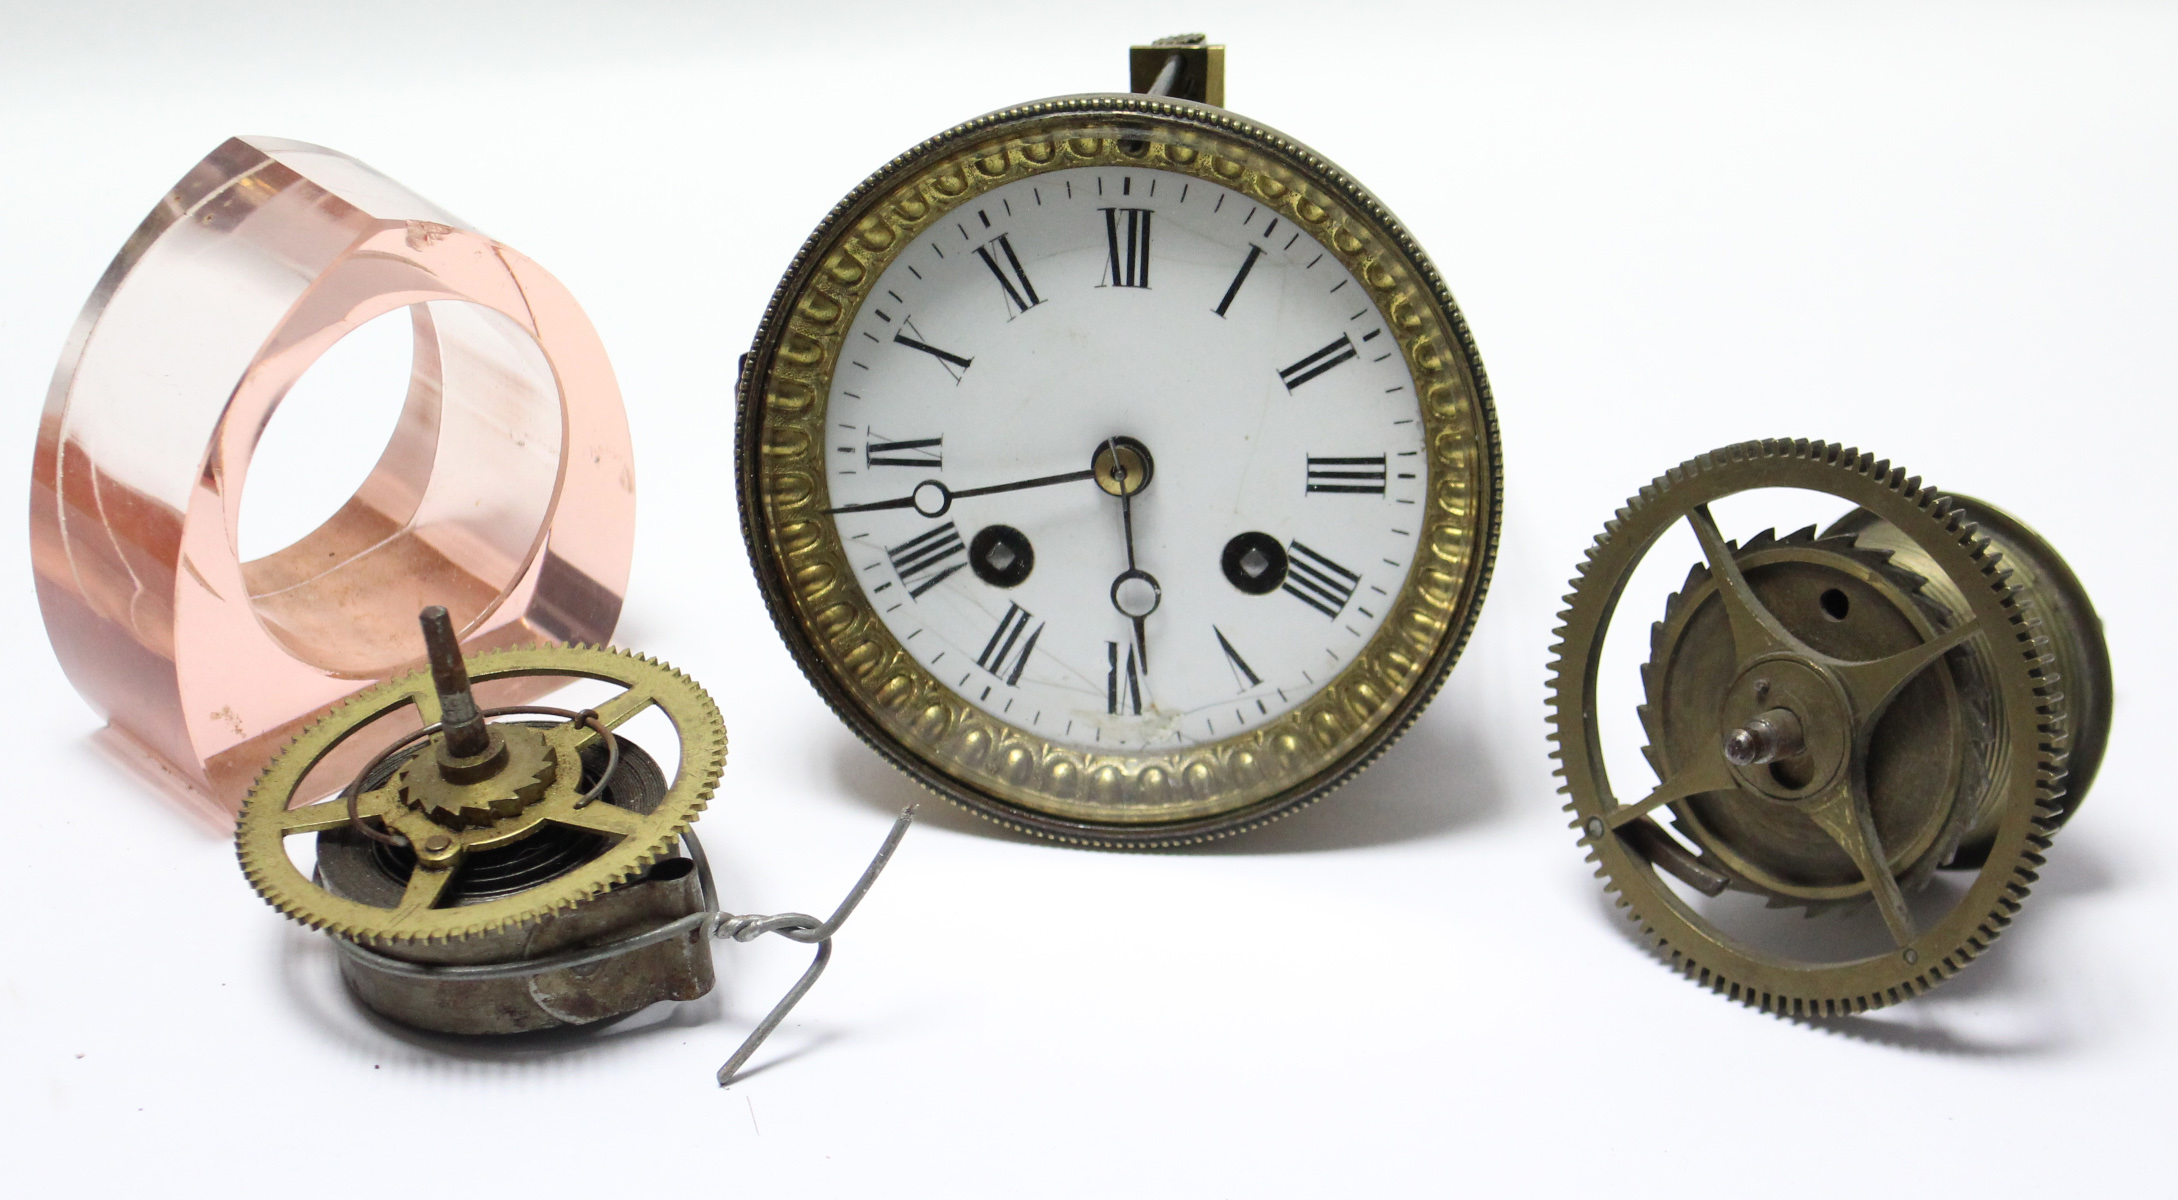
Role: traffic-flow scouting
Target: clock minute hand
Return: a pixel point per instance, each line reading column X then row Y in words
column 932, row 498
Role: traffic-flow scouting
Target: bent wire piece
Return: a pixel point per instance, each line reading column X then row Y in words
column 800, row 927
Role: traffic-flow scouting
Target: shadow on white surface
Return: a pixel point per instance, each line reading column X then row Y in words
column 1442, row 778
column 808, row 1045
column 866, row 776
column 2007, row 1004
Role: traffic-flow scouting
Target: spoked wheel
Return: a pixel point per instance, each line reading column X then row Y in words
column 1835, row 718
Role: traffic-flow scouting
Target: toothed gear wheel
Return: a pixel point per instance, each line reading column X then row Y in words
column 635, row 839
column 1919, row 678
column 1930, row 752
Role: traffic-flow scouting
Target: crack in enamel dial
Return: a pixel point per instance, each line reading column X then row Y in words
column 1120, row 469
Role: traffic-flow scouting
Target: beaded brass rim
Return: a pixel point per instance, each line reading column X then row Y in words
column 1022, row 780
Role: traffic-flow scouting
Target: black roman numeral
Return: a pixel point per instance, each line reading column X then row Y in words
column 914, row 452
column 1127, row 240
column 1320, row 583
column 1241, row 669
column 921, row 561
column 1000, row 656
column 1021, row 298
column 1122, row 694
column 1246, row 265
column 1316, row 364
column 1355, row 475
column 954, row 364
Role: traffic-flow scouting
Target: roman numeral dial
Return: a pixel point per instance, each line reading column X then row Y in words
column 1350, row 475
column 1012, row 278
column 955, row 365
column 1122, row 680
column 926, row 453
column 928, row 559
column 1239, row 277
column 1006, row 655
column 1241, row 670
column 1127, row 244
column 1320, row 363
column 1315, row 580
column 995, row 368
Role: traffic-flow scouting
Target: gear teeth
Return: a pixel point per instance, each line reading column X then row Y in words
column 2030, row 652
column 702, row 759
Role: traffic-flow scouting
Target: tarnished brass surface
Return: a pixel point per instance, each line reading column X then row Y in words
column 1836, row 718
column 1201, row 76
column 1926, row 766
column 519, row 780
column 1012, row 775
column 440, row 840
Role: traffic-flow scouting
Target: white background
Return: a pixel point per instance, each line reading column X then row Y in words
column 1944, row 232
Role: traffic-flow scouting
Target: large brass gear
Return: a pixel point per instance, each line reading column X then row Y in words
column 268, row 817
column 1959, row 662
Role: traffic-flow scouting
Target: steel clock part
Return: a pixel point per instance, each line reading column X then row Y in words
column 1840, row 719
column 485, row 877
column 1119, row 467
column 506, row 490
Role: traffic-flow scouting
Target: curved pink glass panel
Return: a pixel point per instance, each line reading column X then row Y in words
column 506, row 493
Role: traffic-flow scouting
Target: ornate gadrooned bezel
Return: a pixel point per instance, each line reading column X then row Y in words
column 267, row 819
column 2030, row 722
column 1016, row 778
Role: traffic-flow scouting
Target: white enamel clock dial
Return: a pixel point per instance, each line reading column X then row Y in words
column 1172, row 326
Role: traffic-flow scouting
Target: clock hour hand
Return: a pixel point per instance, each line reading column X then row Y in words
column 1135, row 593
column 932, row 499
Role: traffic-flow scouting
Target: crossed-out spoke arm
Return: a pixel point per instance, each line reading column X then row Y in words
column 1755, row 630
column 1872, row 685
column 1843, row 816
column 426, row 702
column 600, row 817
column 422, row 893
column 329, row 814
column 622, row 708
column 1707, row 773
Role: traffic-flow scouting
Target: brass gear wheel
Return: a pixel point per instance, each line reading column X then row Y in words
column 1835, row 718
column 268, row 816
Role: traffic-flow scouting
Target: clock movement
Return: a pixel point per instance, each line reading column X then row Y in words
column 1118, row 466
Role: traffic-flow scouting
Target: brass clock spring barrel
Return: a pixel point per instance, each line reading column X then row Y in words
column 1837, row 720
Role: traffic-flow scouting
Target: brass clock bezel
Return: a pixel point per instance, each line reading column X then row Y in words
column 1028, row 783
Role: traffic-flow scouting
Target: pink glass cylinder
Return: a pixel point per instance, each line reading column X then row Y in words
column 506, row 492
